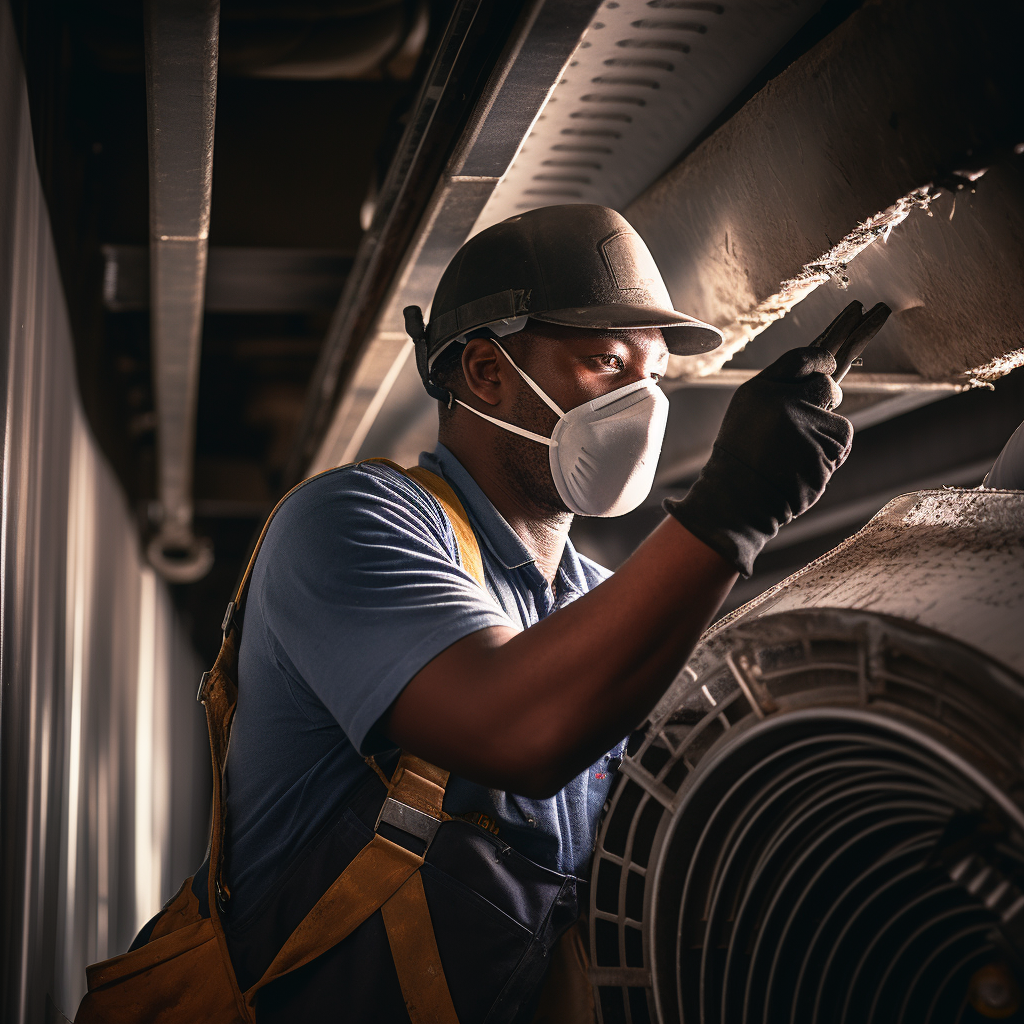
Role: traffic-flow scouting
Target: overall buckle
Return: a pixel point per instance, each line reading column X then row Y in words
column 409, row 820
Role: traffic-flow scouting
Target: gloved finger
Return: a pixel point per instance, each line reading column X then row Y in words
column 835, row 438
column 833, row 337
column 821, row 390
column 800, row 362
column 869, row 326
column 835, row 395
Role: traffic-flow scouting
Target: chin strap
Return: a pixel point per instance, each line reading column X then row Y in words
column 416, row 329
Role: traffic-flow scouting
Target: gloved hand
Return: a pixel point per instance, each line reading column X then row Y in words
column 778, row 445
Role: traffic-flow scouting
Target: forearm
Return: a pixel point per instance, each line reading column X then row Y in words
column 529, row 710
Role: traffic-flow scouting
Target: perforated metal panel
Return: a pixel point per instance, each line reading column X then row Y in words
column 647, row 77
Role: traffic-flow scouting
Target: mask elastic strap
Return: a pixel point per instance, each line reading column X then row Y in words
column 510, row 426
column 540, row 394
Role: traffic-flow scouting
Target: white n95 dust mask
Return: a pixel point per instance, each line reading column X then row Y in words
column 603, row 454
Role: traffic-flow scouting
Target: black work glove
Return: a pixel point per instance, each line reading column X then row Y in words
column 778, row 445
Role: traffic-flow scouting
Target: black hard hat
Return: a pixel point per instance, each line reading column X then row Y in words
column 578, row 265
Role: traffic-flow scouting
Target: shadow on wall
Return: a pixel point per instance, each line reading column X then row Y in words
column 104, row 770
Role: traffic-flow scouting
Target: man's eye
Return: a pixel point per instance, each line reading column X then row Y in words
column 612, row 361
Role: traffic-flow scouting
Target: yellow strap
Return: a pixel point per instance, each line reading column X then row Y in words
column 465, row 538
column 371, row 879
column 382, row 875
column 469, row 547
column 417, row 961
column 409, row 786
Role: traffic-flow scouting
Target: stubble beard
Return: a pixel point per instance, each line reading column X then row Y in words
column 525, row 462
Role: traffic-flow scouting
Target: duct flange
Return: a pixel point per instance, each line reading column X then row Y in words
column 826, row 826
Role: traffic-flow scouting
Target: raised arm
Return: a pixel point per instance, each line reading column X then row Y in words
column 526, row 711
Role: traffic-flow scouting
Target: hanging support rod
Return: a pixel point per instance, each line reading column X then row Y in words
column 181, row 100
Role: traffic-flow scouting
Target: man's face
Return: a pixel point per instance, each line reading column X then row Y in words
column 572, row 366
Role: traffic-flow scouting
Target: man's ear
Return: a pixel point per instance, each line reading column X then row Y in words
column 482, row 367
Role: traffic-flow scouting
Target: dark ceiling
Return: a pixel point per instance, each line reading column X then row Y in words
column 314, row 99
column 310, row 105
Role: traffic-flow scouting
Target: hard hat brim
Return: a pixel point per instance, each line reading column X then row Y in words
column 684, row 335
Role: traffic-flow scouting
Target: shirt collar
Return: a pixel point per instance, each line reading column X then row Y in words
column 571, row 572
column 504, row 543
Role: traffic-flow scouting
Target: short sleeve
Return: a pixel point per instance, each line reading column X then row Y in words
column 359, row 586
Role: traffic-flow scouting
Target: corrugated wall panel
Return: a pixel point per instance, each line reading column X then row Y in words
column 104, row 778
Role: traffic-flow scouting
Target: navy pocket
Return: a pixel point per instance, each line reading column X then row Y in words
column 479, row 944
column 495, row 916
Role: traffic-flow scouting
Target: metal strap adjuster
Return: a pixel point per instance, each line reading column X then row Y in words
column 408, row 819
column 229, row 618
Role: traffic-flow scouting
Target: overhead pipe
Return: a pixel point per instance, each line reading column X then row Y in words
column 181, row 98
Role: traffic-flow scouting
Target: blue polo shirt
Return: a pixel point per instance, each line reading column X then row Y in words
column 357, row 587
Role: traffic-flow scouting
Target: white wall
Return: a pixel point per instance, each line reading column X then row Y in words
column 104, row 774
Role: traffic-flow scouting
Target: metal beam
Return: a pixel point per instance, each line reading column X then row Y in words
column 372, row 339
column 855, row 383
column 238, row 279
column 181, row 95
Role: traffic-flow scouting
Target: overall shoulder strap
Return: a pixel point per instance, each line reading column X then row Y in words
column 218, row 693
column 441, row 491
column 382, row 870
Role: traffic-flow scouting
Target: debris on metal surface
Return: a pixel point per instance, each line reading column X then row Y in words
column 951, row 560
column 830, row 265
column 775, row 204
column 982, row 376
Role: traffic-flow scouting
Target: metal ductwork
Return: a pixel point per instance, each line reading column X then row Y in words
column 888, row 123
column 366, row 351
column 181, row 94
column 823, row 819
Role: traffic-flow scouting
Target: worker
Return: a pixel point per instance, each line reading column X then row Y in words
column 365, row 633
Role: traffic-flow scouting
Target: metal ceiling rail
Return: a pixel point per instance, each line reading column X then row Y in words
column 855, row 383
column 239, row 279
column 367, row 345
column 181, row 98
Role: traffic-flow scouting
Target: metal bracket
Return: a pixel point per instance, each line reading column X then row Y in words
column 229, row 617
column 408, row 819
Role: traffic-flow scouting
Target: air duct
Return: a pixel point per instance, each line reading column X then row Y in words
column 181, row 95
column 822, row 821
